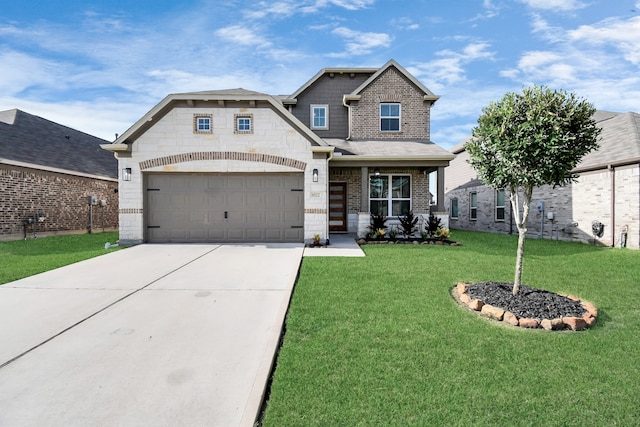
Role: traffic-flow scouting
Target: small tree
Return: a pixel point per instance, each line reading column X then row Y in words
column 531, row 139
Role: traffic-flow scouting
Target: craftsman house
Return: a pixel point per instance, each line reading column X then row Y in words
column 242, row 166
column 602, row 207
column 53, row 179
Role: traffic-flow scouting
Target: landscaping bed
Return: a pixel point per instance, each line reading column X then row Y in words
column 530, row 308
column 407, row 241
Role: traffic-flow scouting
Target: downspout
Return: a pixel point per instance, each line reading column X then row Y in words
column 328, row 196
column 612, row 173
column 348, row 106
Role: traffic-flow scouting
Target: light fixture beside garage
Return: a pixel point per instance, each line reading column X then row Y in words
column 126, row 174
column 315, row 175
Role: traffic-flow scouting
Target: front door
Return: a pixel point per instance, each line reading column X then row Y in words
column 338, row 206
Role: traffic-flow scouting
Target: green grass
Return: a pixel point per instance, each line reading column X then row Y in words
column 379, row 341
column 22, row 258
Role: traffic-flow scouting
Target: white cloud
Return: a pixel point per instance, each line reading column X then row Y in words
column 287, row 8
column 20, row 72
column 622, row 35
column 360, row 43
column 490, row 11
column 241, row 35
column 405, row 23
column 555, row 5
column 449, row 69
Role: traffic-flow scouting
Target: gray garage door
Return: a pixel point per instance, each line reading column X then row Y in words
column 200, row 208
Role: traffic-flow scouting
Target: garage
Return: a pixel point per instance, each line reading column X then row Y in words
column 230, row 207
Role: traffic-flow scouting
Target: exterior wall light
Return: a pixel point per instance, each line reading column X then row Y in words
column 126, row 174
column 315, row 175
column 376, row 172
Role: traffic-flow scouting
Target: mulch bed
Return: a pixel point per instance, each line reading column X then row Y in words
column 529, row 302
column 529, row 308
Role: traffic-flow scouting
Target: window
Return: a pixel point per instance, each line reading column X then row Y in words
column 454, row 208
column 390, row 117
column 473, row 206
column 390, row 195
column 320, row 117
column 500, row 205
column 243, row 123
column 202, row 123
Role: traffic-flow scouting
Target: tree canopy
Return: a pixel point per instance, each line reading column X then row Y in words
column 531, row 139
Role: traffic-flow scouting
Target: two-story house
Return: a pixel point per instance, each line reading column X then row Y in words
column 242, row 166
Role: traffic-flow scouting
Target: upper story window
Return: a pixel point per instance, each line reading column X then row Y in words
column 390, row 195
column 202, row 123
column 390, row 117
column 243, row 123
column 500, row 205
column 320, row 117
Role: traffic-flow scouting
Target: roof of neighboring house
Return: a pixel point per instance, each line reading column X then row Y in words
column 619, row 141
column 30, row 140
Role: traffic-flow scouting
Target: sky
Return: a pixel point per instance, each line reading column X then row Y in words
column 99, row 66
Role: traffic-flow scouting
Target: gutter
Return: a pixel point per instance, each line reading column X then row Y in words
column 55, row 170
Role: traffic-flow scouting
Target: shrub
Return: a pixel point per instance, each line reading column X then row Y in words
column 408, row 223
column 378, row 222
column 433, row 224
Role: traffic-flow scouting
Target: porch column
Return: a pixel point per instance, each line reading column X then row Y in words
column 364, row 190
column 440, row 190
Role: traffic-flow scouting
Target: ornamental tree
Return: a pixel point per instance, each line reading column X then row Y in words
column 527, row 140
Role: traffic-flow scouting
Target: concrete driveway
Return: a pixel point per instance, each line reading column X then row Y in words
column 153, row 335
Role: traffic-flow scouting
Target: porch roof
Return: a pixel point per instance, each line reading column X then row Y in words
column 388, row 150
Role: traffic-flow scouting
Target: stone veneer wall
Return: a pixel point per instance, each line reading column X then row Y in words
column 391, row 86
column 62, row 198
column 587, row 200
column 173, row 135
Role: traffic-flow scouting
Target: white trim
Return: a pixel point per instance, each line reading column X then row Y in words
column 326, row 116
column 471, row 207
column 390, row 199
column 55, row 170
column 454, row 199
column 497, row 206
column 391, row 117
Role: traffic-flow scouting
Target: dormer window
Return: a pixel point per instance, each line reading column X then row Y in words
column 390, row 117
column 320, row 117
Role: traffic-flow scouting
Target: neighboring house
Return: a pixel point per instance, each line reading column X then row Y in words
column 607, row 192
column 241, row 166
column 47, row 174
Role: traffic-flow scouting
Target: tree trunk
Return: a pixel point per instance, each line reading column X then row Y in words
column 521, row 223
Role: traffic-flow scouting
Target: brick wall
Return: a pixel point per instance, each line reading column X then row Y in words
column 61, row 198
column 353, row 178
column 587, row 200
column 391, row 86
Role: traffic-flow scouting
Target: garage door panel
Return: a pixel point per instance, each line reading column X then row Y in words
column 192, row 207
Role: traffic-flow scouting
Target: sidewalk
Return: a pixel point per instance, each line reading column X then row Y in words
column 341, row 245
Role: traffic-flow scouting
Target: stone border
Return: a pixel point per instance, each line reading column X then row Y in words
column 496, row 313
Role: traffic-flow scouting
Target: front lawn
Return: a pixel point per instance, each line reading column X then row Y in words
column 22, row 258
column 379, row 341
